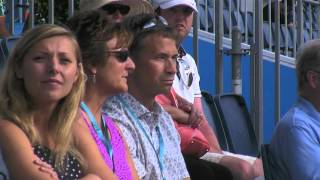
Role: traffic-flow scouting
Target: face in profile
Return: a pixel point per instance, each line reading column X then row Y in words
column 49, row 69
column 179, row 18
column 115, row 12
column 113, row 75
column 156, row 64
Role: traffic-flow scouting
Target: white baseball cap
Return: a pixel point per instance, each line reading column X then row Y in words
column 166, row 4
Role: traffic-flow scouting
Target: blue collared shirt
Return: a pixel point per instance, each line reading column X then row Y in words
column 295, row 145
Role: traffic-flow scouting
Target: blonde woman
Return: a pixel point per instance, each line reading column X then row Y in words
column 40, row 93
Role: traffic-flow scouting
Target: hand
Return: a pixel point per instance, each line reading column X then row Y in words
column 46, row 168
column 184, row 104
column 195, row 118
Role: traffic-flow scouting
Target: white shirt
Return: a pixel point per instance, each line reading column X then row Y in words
column 188, row 89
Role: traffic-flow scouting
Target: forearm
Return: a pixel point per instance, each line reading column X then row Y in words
column 206, row 129
column 211, row 137
column 177, row 114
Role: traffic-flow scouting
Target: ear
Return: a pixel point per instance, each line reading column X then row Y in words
column 313, row 79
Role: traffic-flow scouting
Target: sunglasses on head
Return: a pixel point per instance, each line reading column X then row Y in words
column 113, row 8
column 121, row 55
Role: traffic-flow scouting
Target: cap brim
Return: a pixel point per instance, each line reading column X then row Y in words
column 173, row 3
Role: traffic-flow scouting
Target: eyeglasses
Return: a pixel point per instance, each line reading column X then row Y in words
column 113, row 8
column 154, row 21
column 121, row 55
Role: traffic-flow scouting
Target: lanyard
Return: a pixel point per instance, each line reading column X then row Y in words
column 136, row 120
column 103, row 134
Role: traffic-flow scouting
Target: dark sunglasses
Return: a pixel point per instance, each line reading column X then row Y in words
column 112, row 8
column 121, row 55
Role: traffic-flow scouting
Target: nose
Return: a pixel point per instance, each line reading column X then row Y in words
column 171, row 66
column 117, row 16
column 130, row 66
column 53, row 65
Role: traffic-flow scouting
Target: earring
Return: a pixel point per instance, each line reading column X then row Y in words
column 92, row 78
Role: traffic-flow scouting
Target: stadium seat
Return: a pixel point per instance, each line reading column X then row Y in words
column 287, row 34
column 3, row 56
column 3, row 169
column 9, row 43
column 237, row 124
column 266, row 161
column 202, row 16
column 230, row 4
column 226, row 22
column 238, row 20
column 210, row 112
column 267, row 36
column 306, row 35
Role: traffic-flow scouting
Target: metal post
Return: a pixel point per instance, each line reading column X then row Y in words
column 299, row 23
column 51, row 11
column 31, row 14
column 218, row 46
column 236, row 60
column 20, row 11
column 11, row 11
column 257, row 106
column 71, row 8
column 195, row 37
column 277, row 63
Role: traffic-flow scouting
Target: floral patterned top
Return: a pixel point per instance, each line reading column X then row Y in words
column 144, row 156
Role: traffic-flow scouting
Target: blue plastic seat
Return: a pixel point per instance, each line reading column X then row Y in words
column 237, row 124
column 202, row 16
column 267, row 36
column 3, row 56
column 210, row 112
column 9, row 43
column 3, row 169
column 266, row 161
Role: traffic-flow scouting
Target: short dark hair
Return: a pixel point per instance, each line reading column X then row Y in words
column 137, row 25
column 308, row 58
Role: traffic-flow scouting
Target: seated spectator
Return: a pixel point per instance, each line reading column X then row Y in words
column 295, row 145
column 179, row 14
column 40, row 93
column 104, row 48
column 149, row 130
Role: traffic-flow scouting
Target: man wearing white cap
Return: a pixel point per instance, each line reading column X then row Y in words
column 115, row 10
column 179, row 14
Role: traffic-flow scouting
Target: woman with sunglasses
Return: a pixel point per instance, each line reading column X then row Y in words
column 106, row 63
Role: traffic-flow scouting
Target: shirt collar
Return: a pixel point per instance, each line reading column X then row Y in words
column 181, row 52
column 308, row 107
column 140, row 109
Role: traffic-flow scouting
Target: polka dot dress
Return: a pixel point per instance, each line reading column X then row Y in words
column 72, row 168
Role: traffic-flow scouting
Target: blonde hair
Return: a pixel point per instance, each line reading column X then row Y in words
column 16, row 105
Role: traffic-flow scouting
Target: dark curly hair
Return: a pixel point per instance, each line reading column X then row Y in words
column 93, row 30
